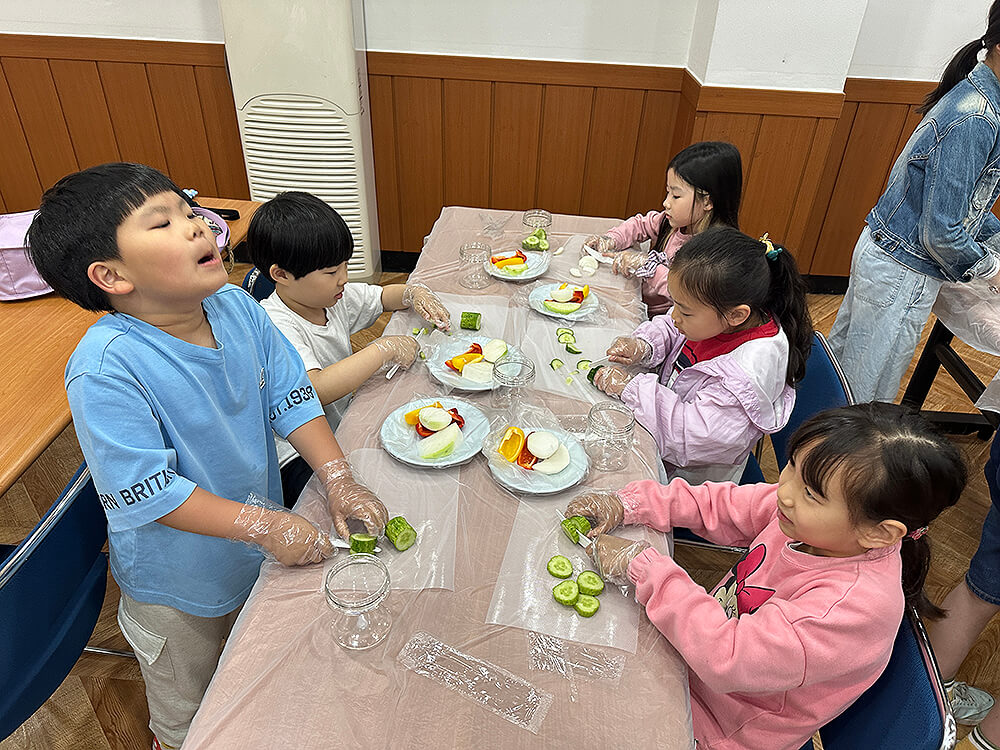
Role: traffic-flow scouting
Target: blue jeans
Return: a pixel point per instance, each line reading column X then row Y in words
column 983, row 578
column 880, row 320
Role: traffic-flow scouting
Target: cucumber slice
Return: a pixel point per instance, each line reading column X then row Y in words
column 543, row 244
column 574, row 526
column 562, row 329
column 566, row 593
column 556, row 364
column 572, row 348
column 471, row 321
column 585, row 606
column 566, row 338
column 583, row 365
column 592, row 372
column 530, row 242
column 416, row 331
column 540, row 233
column 400, row 533
column 590, row 583
column 560, row 567
column 363, row 543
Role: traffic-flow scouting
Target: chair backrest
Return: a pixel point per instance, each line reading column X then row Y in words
column 823, row 387
column 905, row 708
column 258, row 284
column 51, row 592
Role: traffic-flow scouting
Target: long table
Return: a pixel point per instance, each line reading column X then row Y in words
column 284, row 682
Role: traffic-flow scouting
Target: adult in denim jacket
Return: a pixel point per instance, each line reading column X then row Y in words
column 933, row 223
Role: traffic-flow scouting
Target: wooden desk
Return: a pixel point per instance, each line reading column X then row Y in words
column 37, row 337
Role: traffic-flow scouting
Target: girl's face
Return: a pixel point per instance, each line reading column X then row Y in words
column 684, row 205
column 697, row 321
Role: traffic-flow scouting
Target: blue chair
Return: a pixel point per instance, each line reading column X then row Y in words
column 905, row 708
column 51, row 591
column 258, row 284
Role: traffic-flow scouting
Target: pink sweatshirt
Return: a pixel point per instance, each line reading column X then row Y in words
column 786, row 640
column 637, row 229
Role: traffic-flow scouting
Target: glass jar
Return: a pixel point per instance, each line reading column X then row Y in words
column 473, row 257
column 512, row 377
column 536, row 218
column 356, row 588
column 608, row 439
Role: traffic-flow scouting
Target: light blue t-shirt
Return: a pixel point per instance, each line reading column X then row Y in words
column 157, row 416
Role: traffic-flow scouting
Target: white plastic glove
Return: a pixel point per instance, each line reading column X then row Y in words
column 349, row 499
column 612, row 556
column 396, row 350
column 612, row 380
column 426, row 304
column 605, row 508
column 629, row 350
column 288, row 537
column 627, row 262
column 605, row 244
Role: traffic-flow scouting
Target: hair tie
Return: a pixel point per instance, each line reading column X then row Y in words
column 916, row 533
column 770, row 251
column 983, row 42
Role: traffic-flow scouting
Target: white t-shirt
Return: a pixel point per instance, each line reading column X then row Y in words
column 321, row 346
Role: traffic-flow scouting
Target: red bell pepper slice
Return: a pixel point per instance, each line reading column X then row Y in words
column 457, row 418
column 423, row 431
column 526, row 459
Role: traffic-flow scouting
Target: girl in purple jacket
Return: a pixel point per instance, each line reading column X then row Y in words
column 704, row 185
column 729, row 353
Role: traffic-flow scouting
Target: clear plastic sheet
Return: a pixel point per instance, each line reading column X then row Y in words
column 572, row 660
column 494, row 688
column 400, row 440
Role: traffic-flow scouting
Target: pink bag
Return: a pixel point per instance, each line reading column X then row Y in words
column 18, row 277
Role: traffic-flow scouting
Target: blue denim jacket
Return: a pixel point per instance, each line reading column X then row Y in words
column 934, row 216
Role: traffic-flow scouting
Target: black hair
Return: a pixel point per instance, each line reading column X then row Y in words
column 892, row 466
column 299, row 233
column 77, row 224
column 724, row 268
column 715, row 169
column 965, row 59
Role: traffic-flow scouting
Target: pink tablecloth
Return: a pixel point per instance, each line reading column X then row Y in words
column 284, row 682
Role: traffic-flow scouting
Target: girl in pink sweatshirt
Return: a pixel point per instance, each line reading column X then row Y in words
column 804, row 623
column 704, row 185
column 728, row 353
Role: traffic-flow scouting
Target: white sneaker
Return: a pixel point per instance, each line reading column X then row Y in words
column 969, row 704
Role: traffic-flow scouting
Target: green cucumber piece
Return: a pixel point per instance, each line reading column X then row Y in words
column 566, row 593
column 556, row 364
column 569, row 380
column 416, row 331
column 585, row 606
column 471, row 321
column 566, row 338
column 592, row 373
column 572, row 348
column 590, row 583
column 400, row 533
column 363, row 543
column 539, row 233
column 564, row 330
column 574, row 526
column 530, row 242
column 543, row 244
column 583, row 365
column 560, row 567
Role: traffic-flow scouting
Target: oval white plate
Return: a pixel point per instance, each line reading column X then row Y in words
column 400, row 439
column 542, row 293
column 538, row 264
column 528, row 482
column 451, row 347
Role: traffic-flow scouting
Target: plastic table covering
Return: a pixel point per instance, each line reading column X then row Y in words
column 283, row 680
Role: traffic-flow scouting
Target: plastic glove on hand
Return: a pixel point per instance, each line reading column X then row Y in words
column 604, row 508
column 288, row 537
column 629, row 350
column 612, row 556
column 627, row 262
column 426, row 304
column 604, row 244
column 396, row 350
column 612, row 380
column 349, row 499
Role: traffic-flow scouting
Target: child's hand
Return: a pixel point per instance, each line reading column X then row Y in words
column 349, row 499
column 629, row 350
column 612, row 380
column 425, row 303
column 605, row 244
column 288, row 537
column 612, row 555
column 397, row 350
column 603, row 507
column 626, row 263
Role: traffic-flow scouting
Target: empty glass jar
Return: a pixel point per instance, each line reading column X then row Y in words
column 473, row 257
column 513, row 376
column 608, row 439
column 356, row 588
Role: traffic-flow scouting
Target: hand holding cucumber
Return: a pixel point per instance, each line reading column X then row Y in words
column 629, row 350
column 612, row 380
column 349, row 499
column 426, row 304
column 605, row 508
column 612, row 556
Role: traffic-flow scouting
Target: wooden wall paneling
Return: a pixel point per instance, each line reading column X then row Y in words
column 873, row 139
column 130, row 104
column 913, row 119
column 740, row 130
column 20, row 189
column 386, row 175
column 563, row 157
column 86, row 111
column 218, row 109
column 798, row 221
column 112, row 50
column 652, row 152
column 41, row 117
column 182, row 127
column 614, row 131
column 517, row 125
column 417, row 106
column 467, row 109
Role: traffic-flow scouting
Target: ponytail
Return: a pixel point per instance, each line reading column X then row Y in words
column 965, row 59
column 916, row 554
column 786, row 301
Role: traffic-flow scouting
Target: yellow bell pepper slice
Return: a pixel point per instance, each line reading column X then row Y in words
column 511, row 443
column 412, row 417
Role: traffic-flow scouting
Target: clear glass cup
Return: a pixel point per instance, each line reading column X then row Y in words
column 473, row 257
column 537, row 218
column 512, row 377
column 356, row 588
column 608, row 439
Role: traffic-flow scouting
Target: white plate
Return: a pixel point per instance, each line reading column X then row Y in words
column 528, row 482
column 400, row 439
column 451, row 347
column 544, row 292
column 538, row 264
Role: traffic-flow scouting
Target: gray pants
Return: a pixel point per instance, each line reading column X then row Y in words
column 177, row 654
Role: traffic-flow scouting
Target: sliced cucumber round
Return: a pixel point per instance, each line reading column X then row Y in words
column 556, row 364
column 566, row 593
column 590, row 583
column 363, row 543
column 583, row 365
column 560, row 567
column 572, row 348
column 400, row 533
column 585, row 606
column 566, row 338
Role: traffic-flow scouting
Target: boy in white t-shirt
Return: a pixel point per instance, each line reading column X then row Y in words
column 303, row 246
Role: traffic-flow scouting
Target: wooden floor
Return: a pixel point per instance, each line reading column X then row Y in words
column 102, row 705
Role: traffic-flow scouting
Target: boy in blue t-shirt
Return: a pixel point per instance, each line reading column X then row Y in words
column 174, row 397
